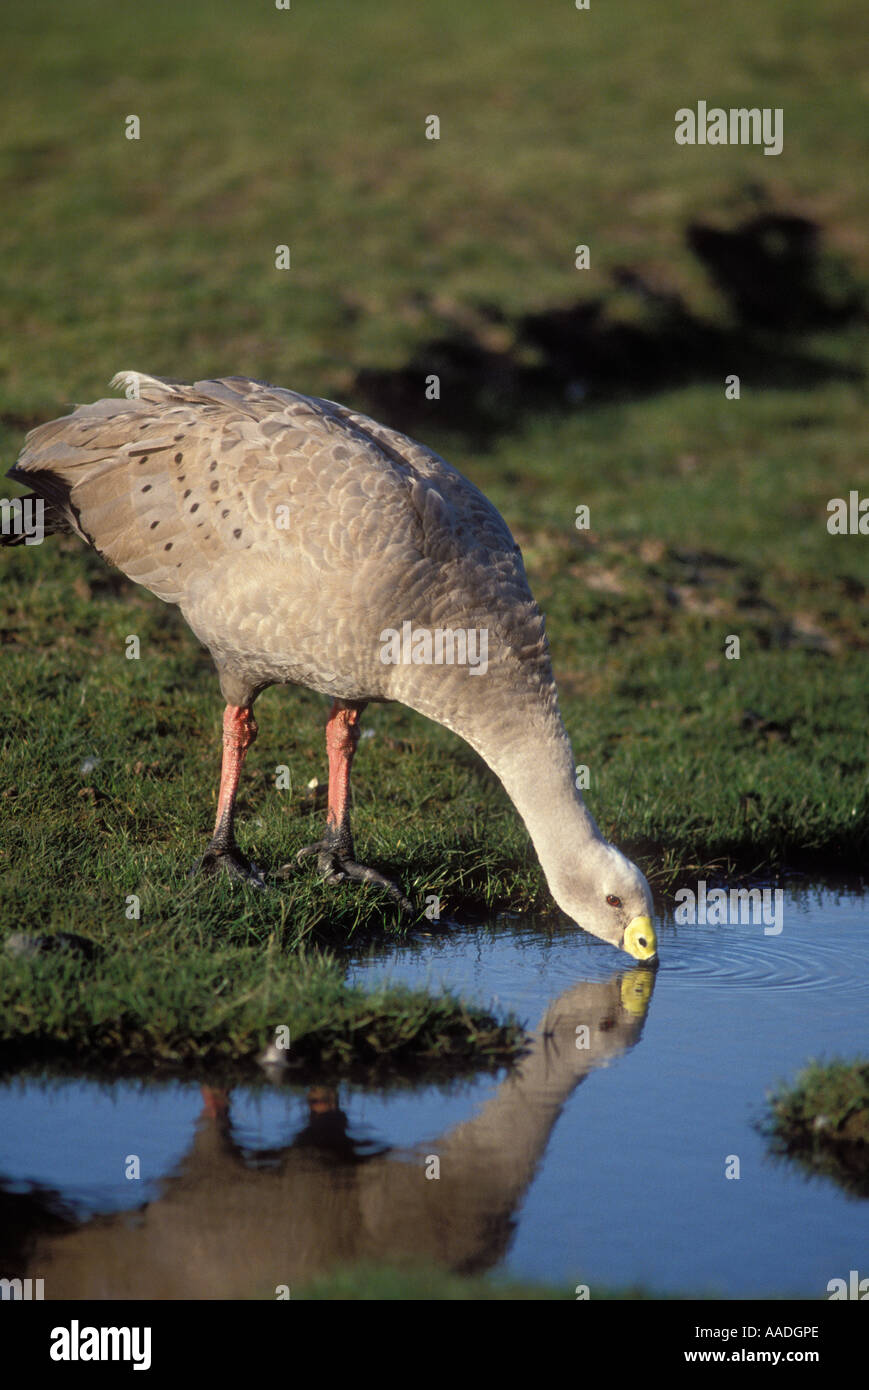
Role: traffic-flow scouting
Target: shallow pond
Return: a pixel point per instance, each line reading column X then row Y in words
column 601, row 1158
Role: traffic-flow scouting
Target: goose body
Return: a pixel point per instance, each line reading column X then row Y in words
column 306, row 543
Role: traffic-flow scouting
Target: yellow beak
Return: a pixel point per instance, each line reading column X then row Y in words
column 639, row 939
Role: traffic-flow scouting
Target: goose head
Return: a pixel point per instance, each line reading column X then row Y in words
column 609, row 897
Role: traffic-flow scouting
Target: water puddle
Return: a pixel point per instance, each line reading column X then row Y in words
column 601, row 1158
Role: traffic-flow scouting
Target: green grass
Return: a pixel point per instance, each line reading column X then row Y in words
column 262, row 127
column 387, row 1283
column 189, row 1000
column 373, row 1282
column 821, row 1122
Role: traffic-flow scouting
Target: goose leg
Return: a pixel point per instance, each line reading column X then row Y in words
column 239, row 732
column 336, row 857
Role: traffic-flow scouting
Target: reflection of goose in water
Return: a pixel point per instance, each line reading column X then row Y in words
column 299, row 539
column 228, row 1225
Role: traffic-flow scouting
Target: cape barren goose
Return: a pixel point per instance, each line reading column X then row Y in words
column 306, row 543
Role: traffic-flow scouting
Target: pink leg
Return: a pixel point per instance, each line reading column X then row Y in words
column 216, row 1101
column 342, row 736
column 239, row 732
column 336, row 857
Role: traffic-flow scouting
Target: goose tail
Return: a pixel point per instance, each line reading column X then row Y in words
column 27, row 520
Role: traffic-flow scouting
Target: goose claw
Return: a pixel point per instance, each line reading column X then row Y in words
column 233, row 862
column 336, row 867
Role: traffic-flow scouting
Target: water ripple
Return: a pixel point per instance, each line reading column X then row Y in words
column 719, row 957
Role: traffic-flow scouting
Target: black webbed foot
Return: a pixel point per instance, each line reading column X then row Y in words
column 336, row 866
column 231, row 860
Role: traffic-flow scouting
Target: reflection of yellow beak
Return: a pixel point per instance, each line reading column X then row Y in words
column 635, row 991
column 639, row 939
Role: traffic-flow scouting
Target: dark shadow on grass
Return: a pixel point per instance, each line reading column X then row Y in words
column 493, row 370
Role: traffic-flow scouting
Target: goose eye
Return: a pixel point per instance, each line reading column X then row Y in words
column 613, row 900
